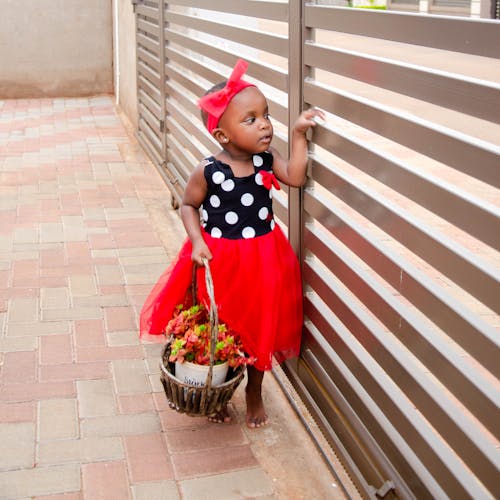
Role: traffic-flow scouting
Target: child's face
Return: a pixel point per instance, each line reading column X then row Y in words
column 246, row 122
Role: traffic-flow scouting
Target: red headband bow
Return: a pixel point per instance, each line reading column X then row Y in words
column 215, row 104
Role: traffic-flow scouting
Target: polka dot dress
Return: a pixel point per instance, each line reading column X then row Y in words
column 237, row 207
column 255, row 272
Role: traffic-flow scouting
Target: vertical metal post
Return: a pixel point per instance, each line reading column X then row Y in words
column 295, row 105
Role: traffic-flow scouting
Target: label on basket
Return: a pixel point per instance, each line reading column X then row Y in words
column 196, row 375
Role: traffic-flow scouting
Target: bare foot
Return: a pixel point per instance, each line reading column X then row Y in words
column 256, row 414
column 221, row 417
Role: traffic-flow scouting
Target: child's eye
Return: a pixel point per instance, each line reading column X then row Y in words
column 267, row 116
column 250, row 119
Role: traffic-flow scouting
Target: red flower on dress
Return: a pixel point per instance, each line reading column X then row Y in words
column 269, row 180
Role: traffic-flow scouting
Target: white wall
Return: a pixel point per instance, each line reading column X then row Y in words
column 55, row 48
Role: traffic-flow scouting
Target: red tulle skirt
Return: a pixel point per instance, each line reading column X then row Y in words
column 258, row 292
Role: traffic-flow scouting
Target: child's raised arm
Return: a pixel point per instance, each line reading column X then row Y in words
column 194, row 194
column 293, row 171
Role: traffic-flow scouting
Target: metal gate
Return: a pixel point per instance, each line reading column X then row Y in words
column 398, row 227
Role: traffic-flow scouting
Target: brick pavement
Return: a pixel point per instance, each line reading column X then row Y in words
column 85, row 230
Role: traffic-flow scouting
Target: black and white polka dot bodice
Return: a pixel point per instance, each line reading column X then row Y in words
column 238, row 207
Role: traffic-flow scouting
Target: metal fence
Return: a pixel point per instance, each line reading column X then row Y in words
column 397, row 229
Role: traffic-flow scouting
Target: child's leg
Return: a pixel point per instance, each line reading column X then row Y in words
column 256, row 414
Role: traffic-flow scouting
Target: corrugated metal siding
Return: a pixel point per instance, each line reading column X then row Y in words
column 398, row 227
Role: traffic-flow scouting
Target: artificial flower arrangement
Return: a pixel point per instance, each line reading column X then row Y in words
column 190, row 331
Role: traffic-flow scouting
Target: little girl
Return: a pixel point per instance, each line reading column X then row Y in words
column 255, row 272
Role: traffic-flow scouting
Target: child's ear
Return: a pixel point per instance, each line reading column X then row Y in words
column 220, row 136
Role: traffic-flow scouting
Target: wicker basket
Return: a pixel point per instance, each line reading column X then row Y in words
column 207, row 399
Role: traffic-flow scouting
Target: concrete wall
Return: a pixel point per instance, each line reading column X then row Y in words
column 125, row 59
column 55, row 48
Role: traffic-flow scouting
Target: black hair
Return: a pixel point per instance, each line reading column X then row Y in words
column 211, row 90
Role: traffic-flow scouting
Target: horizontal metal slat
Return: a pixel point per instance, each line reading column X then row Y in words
column 275, row 44
column 184, row 139
column 146, row 86
column 148, row 43
column 470, row 36
column 466, row 154
column 466, row 95
column 453, row 260
column 145, row 138
column 465, row 328
column 443, row 411
column 151, row 105
column 151, row 120
column 275, row 11
column 337, row 419
column 145, row 10
column 148, row 28
column 151, row 60
column 479, row 219
column 183, row 162
column 472, row 387
column 146, row 73
column 375, row 395
column 257, row 69
column 184, row 81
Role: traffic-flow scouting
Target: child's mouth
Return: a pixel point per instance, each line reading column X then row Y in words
column 266, row 139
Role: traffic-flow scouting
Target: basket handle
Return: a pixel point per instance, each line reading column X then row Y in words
column 214, row 321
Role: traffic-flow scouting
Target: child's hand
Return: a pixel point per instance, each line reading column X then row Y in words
column 308, row 119
column 200, row 251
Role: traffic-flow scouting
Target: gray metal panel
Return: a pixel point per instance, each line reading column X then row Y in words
column 467, row 154
column 466, row 95
column 470, row 36
column 275, row 44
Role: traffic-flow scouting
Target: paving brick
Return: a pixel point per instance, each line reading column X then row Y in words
column 23, row 310
column 89, row 332
column 19, row 366
column 155, row 382
column 18, row 445
column 17, row 412
column 95, row 398
column 213, row 461
column 142, row 423
column 119, row 319
column 25, row 273
column 54, row 298
column 71, row 313
column 249, row 483
column 122, row 338
column 209, row 436
column 108, row 353
column 163, row 490
column 52, row 257
column 57, row 419
column 26, row 483
column 102, row 300
column 134, row 403
column 82, row 285
column 147, row 458
column 109, row 275
column 62, row 496
column 75, row 371
column 56, row 349
column 130, row 377
column 105, row 481
column 172, row 420
column 38, row 328
column 80, row 450
column 36, row 392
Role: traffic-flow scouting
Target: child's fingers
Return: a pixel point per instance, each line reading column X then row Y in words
column 317, row 115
